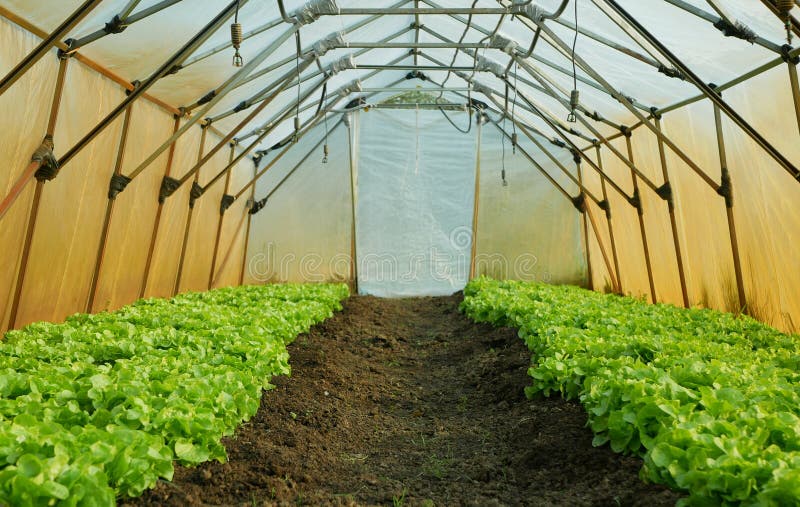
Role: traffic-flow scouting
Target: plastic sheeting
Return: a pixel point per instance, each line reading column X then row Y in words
column 310, row 216
column 416, row 180
column 527, row 229
column 303, row 234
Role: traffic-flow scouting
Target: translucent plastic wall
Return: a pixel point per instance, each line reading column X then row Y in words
column 66, row 239
column 303, row 234
column 766, row 219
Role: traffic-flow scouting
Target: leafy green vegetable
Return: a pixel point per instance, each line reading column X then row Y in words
column 100, row 406
column 710, row 400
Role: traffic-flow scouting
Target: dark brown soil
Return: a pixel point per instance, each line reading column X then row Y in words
column 407, row 402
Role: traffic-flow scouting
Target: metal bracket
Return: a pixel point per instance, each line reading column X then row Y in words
column 168, row 187
column 195, row 194
column 636, row 201
column 671, row 72
column 605, row 206
column 258, row 206
column 786, row 54
column 227, row 201
column 208, row 97
column 116, row 25
column 117, row 185
column 63, row 54
column 738, row 30
column 579, row 201
column 665, row 192
column 726, row 188
column 48, row 163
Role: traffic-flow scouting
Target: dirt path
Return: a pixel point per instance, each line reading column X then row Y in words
column 407, row 402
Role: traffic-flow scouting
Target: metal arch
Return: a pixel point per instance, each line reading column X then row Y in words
column 716, row 98
column 51, row 40
column 118, row 23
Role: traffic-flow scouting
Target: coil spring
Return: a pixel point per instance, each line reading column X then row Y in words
column 236, row 39
column 784, row 6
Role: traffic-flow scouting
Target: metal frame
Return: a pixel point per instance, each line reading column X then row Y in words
column 655, row 54
column 51, row 40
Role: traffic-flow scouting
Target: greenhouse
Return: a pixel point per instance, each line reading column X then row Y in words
column 399, row 252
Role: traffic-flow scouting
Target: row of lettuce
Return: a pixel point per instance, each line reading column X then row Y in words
column 100, row 406
column 710, row 400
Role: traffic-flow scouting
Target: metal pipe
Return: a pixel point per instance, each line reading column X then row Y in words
column 544, row 61
column 218, row 95
column 422, row 68
column 188, row 226
column 204, row 34
column 557, row 42
column 34, row 56
column 282, row 10
column 614, row 281
column 247, row 232
column 414, row 45
column 128, row 9
column 476, row 206
column 793, row 80
column 105, row 229
column 302, row 133
column 609, row 222
column 232, row 133
column 27, row 175
column 117, row 24
column 33, row 214
column 709, row 92
column 673, row 220
column 642, row 228
column 221, row 220
column 585, row 227
column 403, row 90
column 361, row 11
column 719, row 23
column 26, row 252
column 791, row 55
column 353, row 207
column 159, row 212
column 727, row 194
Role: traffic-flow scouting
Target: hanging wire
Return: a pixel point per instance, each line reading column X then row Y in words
column 325, row 150
column 514, row 138
column 574, row 98
column 460, row 41
column 297, row 70
column 469, row 125
column 503, row 141
column 237, row 37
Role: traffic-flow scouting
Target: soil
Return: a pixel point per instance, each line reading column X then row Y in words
column 407, row 402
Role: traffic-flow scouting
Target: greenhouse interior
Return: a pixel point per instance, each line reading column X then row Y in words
column 399, row 252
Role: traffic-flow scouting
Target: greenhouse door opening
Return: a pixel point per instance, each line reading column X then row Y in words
column 416, row 187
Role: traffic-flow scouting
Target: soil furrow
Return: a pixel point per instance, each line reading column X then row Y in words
column 407, row 402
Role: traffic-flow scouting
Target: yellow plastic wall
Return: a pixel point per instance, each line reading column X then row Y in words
column 67, row 236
